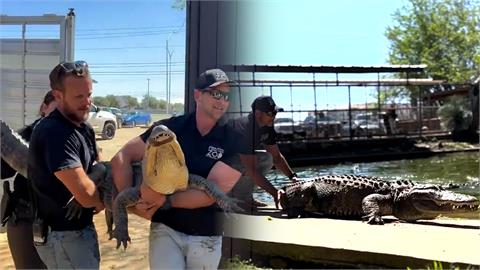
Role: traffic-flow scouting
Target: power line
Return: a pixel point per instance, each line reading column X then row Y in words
column 172, row 27
column 96, row 67
column 129, row 35
column 134, row 73
column 54, row 29
column 132, row 63
column 122, row 48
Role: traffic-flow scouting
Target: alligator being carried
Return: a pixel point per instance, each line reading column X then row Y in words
column 369, row 198
column 163, row 169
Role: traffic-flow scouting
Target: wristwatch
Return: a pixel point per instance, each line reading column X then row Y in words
column 293, row 175
column 167, row 204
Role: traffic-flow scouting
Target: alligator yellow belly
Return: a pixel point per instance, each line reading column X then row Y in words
column 164, row 168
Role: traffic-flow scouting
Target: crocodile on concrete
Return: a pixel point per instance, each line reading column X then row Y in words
column 163, row 156
column 370, row 198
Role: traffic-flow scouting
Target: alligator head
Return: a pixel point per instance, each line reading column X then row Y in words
column 163, row 165
column 430, row 201
column 161, row 135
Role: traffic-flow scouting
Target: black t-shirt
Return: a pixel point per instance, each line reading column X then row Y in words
column 58, row 144
column 253, row 137
column 201, row 153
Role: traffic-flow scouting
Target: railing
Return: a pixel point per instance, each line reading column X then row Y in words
column 318, row 107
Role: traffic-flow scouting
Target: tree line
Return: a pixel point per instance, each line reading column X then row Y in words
column 129, row 102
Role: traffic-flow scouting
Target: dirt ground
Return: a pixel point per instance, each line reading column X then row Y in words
column 136, row 255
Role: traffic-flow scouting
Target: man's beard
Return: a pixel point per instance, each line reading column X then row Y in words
column 72, row 116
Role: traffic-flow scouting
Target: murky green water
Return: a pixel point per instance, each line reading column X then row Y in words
column 456, row 168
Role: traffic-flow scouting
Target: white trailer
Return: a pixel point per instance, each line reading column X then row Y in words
column 26, row 62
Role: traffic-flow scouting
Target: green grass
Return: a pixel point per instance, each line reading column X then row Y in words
column 239, row 264
column 438, row 266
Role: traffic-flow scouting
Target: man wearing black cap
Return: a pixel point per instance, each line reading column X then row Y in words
column 259, row 151
column 184, row 232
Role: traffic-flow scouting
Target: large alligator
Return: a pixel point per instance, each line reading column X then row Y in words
column 163, row 168
column 369, row 198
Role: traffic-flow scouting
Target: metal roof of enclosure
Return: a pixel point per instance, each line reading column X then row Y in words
column 337, row 70
column 325, row 69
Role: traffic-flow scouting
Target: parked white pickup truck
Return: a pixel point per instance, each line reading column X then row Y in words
column 104, row 123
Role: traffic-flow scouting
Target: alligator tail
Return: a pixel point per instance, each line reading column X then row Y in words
column 228, row 204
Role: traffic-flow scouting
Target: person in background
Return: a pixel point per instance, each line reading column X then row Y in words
column 62, row 151
column 259, row 152
column 18, row 214
column 184, row 231
column 392, row 118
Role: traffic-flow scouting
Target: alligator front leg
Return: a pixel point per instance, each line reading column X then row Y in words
column 126, row 198
column 228, row 204
column 375, row 206
column 109, row 221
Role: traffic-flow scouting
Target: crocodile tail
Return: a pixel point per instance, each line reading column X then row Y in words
column 14, row 149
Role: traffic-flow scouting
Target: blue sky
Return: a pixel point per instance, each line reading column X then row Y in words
column 281, row 32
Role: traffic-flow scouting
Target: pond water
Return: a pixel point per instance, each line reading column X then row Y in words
column 456, row 168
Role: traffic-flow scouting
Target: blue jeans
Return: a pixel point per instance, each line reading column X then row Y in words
column 170, row 249
column 71, row 249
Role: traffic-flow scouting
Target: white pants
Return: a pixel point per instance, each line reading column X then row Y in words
column 170, row 249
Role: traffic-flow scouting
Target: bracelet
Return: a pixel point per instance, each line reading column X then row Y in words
column 167, row 204
column 293, row 175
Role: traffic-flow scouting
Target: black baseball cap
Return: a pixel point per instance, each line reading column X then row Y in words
column 211, row 78
column 265, row 104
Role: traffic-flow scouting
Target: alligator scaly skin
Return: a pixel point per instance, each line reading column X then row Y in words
column 370, row 198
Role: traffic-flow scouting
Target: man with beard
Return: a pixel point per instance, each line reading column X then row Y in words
column 61, row 153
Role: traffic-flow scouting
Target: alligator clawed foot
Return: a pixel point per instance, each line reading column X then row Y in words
column 374, row 220
column 122, row 237
column 110, row 234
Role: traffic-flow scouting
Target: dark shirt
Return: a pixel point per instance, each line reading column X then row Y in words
column 253, row 137
column 57, row 144
column 201, row 153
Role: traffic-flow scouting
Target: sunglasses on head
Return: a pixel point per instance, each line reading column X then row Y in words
column 77, row 68
column 217, row 94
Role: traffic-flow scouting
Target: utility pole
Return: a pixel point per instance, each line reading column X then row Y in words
column 168, row 67
column 167, row 53
column 148, row 93
column 169, row 89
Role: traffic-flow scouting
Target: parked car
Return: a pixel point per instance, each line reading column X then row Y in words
column 321, row 126
column 135, row 118
column 115, row 111
column 368, row 124
column 287, row 128
column 103, row 123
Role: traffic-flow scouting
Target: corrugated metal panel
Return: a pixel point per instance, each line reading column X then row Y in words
column 24, row 77
column 26, row 63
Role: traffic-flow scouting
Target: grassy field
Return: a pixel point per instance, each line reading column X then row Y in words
column 160, row 116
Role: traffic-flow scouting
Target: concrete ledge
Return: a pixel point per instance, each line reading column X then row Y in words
column 355, row 243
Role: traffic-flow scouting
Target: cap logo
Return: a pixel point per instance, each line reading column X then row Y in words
column 219, row 76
